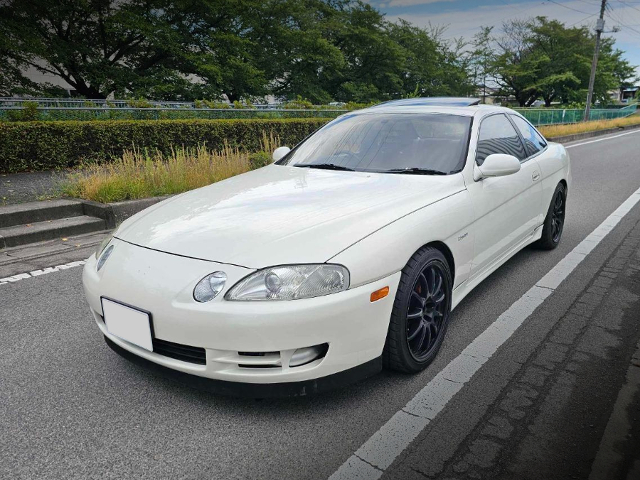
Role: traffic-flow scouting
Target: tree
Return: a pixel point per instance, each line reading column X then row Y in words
column 373, row 61
column 431, row 67
column 153, row 48
column 482, row 60
column 541, row 58
column 297, row 50
column 516, row 65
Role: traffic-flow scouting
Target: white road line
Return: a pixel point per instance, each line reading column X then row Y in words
column 602, row 139
column 378, row 453
column 44, row 271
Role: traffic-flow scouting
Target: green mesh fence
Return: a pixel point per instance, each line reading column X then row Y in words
column 554, row 116
column 69, row 109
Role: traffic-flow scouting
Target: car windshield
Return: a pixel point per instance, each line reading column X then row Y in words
column 388, row 143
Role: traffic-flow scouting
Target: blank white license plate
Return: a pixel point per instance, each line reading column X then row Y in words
column 127, row 323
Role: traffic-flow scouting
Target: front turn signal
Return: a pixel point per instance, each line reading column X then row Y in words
column 379, row 294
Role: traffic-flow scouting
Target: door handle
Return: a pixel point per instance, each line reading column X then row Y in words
column 536, row 176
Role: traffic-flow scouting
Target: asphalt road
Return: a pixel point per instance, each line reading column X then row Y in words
column 541, row 407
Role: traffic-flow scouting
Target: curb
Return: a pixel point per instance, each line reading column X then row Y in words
column 595, row 133
column 115, row 213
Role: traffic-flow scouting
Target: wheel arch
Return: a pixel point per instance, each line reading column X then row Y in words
column 565, row 184
column 446, row 251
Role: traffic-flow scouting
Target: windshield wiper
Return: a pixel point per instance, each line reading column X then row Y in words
column 415, row 170
column 326, row 166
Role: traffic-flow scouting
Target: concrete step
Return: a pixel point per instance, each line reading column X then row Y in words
column 49, row 230
column 34, row 212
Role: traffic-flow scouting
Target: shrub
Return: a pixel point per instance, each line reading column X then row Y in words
column 28, row 146
column 259, row 160
column 299, row 104
column 140, row 103
column 28, row 113
column 216, row 105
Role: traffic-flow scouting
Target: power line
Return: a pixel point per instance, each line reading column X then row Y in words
column 620, row 22
column 567, row 7
column 585, row 18
column 630, row 6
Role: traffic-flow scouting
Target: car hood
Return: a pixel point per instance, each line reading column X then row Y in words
column 281, row 214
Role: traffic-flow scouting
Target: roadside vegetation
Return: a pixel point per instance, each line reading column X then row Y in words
column 552, row 131
column 147, row 172
column 143, row 173
column 33, row 146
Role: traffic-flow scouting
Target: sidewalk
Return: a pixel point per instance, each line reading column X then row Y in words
column 30, row 186
column 565, row 405
column 27, row 258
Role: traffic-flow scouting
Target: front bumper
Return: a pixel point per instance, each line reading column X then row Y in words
column 270, row 332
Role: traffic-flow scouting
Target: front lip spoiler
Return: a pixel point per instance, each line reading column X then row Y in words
column 257, row 390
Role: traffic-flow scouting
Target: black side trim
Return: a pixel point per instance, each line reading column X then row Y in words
column 257, row 390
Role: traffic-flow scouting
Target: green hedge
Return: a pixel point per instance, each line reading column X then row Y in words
column 26, row 146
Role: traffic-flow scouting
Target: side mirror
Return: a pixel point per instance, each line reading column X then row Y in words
column 280, row 152
column 497, row 165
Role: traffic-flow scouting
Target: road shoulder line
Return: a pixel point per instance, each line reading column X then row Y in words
column 381, row 449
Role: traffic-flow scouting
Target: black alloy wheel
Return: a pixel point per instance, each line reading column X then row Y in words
column 420, row 313
column 557, row 217
column 554, row 221
column 427, row 307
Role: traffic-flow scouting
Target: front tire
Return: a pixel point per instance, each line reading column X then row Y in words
column 554, row 221
column 420, row 314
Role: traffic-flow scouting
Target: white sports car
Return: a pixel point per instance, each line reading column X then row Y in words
column 346, row 254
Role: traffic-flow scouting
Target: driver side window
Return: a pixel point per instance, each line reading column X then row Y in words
column 497, row 135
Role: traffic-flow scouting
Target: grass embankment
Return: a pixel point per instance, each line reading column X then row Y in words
column 143, row 173
column 552, row 131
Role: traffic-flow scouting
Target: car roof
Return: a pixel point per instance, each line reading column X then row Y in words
column 398, row 106
column 433, row 101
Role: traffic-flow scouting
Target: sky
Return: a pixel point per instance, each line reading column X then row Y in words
column 463, row 18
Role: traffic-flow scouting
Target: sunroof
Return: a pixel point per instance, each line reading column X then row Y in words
column 432, row 101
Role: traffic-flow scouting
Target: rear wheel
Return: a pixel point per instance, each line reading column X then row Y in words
column 420, row 312
column 554, row 221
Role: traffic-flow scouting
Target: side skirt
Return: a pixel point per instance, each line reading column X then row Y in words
column 465, row 288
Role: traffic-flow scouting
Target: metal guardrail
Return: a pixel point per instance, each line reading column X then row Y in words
column 129, row 113
column 7, row 102
column 84, row 110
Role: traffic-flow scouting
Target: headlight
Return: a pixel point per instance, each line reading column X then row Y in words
column 103, row 258
column 209, row 287
column 291, row 282
column 103, row 245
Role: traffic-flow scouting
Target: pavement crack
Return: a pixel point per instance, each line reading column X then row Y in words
column 412, row 414
column 368, row 463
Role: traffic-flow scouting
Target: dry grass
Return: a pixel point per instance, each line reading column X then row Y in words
column 143, row 173
column 561, row 130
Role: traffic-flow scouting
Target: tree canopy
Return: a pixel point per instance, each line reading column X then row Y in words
column 184, row 49
column 320, row 50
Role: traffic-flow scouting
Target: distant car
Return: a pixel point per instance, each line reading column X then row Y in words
column 346, row 254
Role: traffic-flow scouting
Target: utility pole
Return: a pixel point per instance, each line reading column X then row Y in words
column 594, row 63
